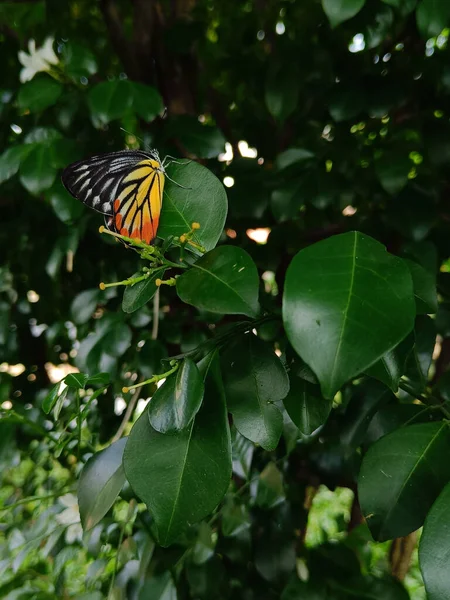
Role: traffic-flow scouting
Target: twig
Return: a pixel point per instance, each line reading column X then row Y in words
column 155, row 315
column 127, row 416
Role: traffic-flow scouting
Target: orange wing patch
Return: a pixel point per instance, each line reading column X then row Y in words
column 139, row 199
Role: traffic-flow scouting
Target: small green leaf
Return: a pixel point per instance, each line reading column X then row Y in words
column 392, row 170
column 183, row 477
column 391, row 366
column 98, row 379
column 433, row 549
column 254, row 380
column 76, row 380
column 282, row 91
column 58, row 405
column 11, row 159
column 110, row 100
column 203, row 141
column 432, row 17
column 147, row 101
column 270, row 487
column 204, row 202
column 66, row 207
column 38, row 94
column 100, row 483
column 36, row 172
column 137, row 295
column 177, row 401
column 424, row 284
column 51, row 398
column 306, row 406
column 117, row 341
column 339, row 11
column 401, row 476
column 224, row 280
column 292, row 156
column 84, row 305
column 79, row 61
column 334, row 289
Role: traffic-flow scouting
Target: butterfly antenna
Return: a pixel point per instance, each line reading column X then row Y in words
column 178, row 184
column 134, row 135
column 168, row 160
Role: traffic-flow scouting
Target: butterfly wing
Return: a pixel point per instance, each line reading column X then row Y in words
column 137, row 206
column 95, row 181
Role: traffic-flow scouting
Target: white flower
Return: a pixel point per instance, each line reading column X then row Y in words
column 71, row 518
column 37, row 60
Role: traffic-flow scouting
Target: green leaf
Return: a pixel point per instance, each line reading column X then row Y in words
column 339, row 291
column 183, row 477
column 147, row 101
column 391, row 367
column 339, row 11
column 39, row 93
column 36, row 172
column 224, row 280
column 84, row 305
column 254, row 380
column 159, row 587
column 10, row 160
column 270, row 490
column 76, row 380
column 292, row 156
column 393, row 416
column 79, row 61
column 110, row 100
column 432, row 17
column 286, row 201
column 137, row 295
column 433, row 549
column 282, row 91
column 346, row 102
column 98, row 379
column 392, row 170
column 306, row 406
column 51, row 398
column 100, row 483
column 202, row 141
column 117, row 341
column 424, row 284
column 419, row 360
column 401, row 476
column 178, row 400
column 66, row 207
column 204, row 202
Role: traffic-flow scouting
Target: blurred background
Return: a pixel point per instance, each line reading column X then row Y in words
column 319, row 118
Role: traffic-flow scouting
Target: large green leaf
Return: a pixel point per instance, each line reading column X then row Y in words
column 254, row 380
column 38, row 94
column 401, row 476
column 183, row 477
column 110, row 100
column 339, row 11
column 305, row 405
column 434, row 548
column 36, row 171
column 177, row 401
column 338, row 294
column 224, row 280
column 100, row 483
column 432, row 17
column 204, row 202
column 10, row 160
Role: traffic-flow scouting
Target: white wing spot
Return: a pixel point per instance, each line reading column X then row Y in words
column 95, row 200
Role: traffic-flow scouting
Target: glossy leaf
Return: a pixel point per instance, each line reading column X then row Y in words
column 401, row 476
column 84, row 305
column 339, row 11
column 11, row 159
column 100, row 483
column 433, row 549
column 204, row 202
column 137, row 295
column 178, row 400
column 254, row 380
column 391, row 366
column 306, row 406
column 183, row 477
column 51, row 398
column 333, row 290
column 224, row 280
column 76, row 380
column 270, row 487
column 39, row 93
column 66, row 207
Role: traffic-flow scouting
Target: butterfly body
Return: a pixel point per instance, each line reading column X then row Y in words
column 127, row 187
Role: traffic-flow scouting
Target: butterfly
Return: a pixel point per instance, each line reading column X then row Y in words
column 126, row 186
